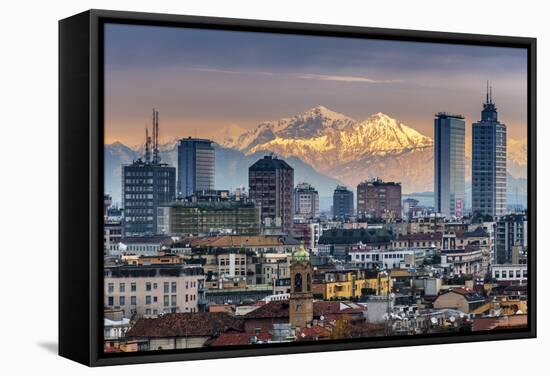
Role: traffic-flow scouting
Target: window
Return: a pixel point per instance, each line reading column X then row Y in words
column 174, row 300
column 148, row 286
column 155, row 285
column 166, row 301
column 122, row 287
column 133, row 300
column 148, row 311
column 174, row 287
column 111, row 288
column 186, row 298
column 166, row 287
column 148, row 299
column 111, row 301
column 133, row 287
column 121, row 300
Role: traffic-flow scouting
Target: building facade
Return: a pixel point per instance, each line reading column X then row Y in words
column 150, row 290
column 301, row 296
column 271, row 186
column 510, row 231
column 306, row 201
column 489, row 162
column 342, row 202
column 185, row 218
column 449, row 149
column 146, row 186
column 196, row 166
column 379, row 199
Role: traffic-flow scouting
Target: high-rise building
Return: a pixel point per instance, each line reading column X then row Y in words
column 146, row 184
column 306, row 201
column 379, row 199
column 196, row 159
column 342, row 202
column 449, row 149
column 409, row 204
column 271, row 185
column 489, row 162
column 510, row 231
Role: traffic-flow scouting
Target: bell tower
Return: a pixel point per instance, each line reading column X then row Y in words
column 301, row 297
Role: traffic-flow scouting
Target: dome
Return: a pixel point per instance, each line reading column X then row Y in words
column 300, row 254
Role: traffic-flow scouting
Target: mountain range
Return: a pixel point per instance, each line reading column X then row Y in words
column 325, row 148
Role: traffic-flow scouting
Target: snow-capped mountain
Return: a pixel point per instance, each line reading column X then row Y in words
column 351, row 151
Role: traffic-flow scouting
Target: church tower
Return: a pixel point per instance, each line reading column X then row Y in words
column 301, row 297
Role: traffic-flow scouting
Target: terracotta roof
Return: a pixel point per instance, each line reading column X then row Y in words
column 503, row 322
column 273, row 309
column 229, row 339
column 314, row 332
column 185, row 324
column 279, row 309
column 237, row 241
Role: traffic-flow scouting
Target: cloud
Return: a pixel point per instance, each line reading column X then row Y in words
column 214, row 70
column 345, row 78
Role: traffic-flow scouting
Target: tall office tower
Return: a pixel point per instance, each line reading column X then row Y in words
column 510, row 231
column 449, row 149
column 196, row 160
column 306, row 201
column 489, row 162
column 146, row 184
column 271, row 185
column 379, row 199
column 342, row 202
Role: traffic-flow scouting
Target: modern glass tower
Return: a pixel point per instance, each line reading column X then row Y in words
column 196, row 160
column 449, row 136
column 489, row 162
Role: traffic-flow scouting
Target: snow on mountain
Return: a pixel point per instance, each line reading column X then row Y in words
column 517, row 158
column 332, row 142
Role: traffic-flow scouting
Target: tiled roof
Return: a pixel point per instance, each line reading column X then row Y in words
column 279, row 309
column 237, row 241
column 185, row 324
column 228, row 339
column 313, row 332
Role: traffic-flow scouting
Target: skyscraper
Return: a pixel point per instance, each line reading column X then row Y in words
column 489, row 162
column 449, row 136
column 378, row 198
column 271, row 185
column 342, row 202
column 146, row 184
column 196, row 160
column 511, row 230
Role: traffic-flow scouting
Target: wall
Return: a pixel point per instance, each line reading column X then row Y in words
column 29, row 93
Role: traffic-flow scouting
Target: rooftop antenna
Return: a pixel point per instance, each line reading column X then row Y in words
column 156, row 157
column 487, row 93
column 147, row 145
column 491, row 94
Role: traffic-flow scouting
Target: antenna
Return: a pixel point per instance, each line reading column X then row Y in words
column 156, row 157
column 147, row 145
column 491, row 94
column 487, row 93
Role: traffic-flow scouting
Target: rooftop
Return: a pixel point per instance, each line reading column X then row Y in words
column 203, row 324
column 270, row 163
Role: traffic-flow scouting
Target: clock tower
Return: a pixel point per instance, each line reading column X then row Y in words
column 301, row 297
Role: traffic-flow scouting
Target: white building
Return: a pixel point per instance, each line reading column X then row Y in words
column 509, row 272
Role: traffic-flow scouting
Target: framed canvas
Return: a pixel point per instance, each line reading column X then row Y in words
column 235, row 188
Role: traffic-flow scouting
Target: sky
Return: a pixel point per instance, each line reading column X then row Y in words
column 204, row 82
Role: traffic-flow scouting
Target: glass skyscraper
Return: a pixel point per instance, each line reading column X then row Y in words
column 449, row 136
column 196, row 160
column 489, row 162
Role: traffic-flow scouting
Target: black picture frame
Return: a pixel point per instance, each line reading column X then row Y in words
column 81, row 183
